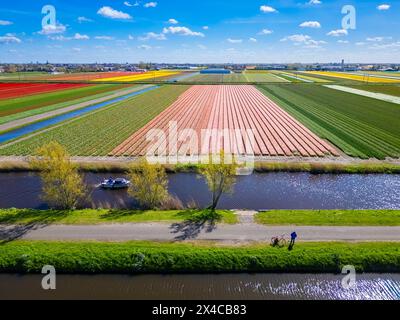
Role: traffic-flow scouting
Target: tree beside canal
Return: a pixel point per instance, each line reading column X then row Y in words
column 149, row 184
column 63, row 187
column 220, row 175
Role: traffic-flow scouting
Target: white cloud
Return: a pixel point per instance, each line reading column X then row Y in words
column 393, row 45
column 184, row 31
column 310, row 24
column 314, row 2
column 253, row 40
column 375, row 39
column 84, row 19
column 130, row 37
column 53, row 29
column 107, row 38
column 234, row 40
column 173, row 21
column 202, row 47
column 305, row 40
column 297, row 38
column 110, row 13
column 343, row 41
column 150, row 5
column 360, row 43
column 265, row 32
column 59, row 38
column 144, row 47
column 9, row 38
column 77, row 49
column 383, row 7
column 5, row 23
column 338, row 33
column 153, row 36
column 128, row 4
column 79, row 36
column 206, row 27
column 267, row 9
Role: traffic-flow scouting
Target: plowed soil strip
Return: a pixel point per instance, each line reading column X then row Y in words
column 228, row 108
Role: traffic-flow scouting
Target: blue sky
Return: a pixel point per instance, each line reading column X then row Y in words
column 206, row 31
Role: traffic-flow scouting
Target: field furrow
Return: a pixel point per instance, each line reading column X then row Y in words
column 212, row 114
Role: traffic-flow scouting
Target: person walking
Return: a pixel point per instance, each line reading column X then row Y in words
column 293, row 238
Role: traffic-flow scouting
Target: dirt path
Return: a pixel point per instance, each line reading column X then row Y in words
column 21, row 122
column 186, row 231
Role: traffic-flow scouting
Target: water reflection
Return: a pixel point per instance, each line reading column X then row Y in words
column 229, row 286
column 258, row 191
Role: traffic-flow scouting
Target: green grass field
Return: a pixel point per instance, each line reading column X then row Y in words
column 331, row 79
column 205, row 78
column 360, row 126
column 103, row 216
column 390, row 89
column 299, row 77
column 263, row 77
column 98, row 133
column 150, row 257
column 11, row 107
column 330, row 217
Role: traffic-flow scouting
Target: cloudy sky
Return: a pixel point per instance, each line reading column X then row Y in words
column 180, row 31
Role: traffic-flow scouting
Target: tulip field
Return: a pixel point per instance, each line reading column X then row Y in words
column 229, row 107
column 287, row 119
column 355, row 77
column 146, row 76
column 360, row 126
column 16, row 90
column 45, row 97
column 99, row 132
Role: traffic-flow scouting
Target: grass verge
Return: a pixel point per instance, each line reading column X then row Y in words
column 149, row 257
column 260, row 167
column 92, row 216
column 330, row 217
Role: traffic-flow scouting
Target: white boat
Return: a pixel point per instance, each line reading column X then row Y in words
column 113, row 184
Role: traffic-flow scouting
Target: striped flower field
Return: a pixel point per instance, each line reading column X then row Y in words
column 222, row 107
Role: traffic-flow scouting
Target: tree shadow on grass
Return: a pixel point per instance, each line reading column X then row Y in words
column 14, row 225
column 195, row 222
column 116, row 214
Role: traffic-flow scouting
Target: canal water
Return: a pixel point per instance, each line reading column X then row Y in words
column 254, row 192
column 204, row 287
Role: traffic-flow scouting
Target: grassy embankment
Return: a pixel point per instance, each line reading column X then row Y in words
column 260, row 167
column 150, row 257
column 330, row 217
column 272, row 217
column 104, row 216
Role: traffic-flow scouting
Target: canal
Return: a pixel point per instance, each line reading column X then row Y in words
column 254, row 192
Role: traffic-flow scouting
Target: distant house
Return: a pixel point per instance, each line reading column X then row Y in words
column 1, row 69
column 215, row 71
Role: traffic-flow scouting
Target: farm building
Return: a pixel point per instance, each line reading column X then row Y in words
column 215, row 71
